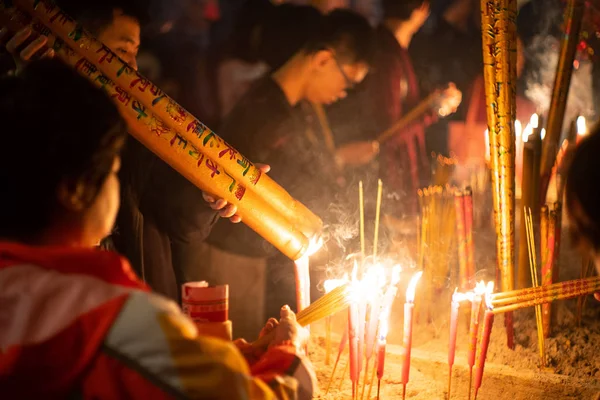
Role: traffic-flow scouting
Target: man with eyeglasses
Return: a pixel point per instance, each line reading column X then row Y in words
column 388, row 93
column 275, row 124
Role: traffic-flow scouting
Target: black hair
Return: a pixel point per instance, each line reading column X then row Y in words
column 248, row 34
column 401, row 9
column 583, row 188
column 286, row 29
column 347, row 33
column 97, row 15
column 57, row 129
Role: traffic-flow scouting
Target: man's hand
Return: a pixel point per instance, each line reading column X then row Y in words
column 451, row 98
column 225, row 209
column 288, row 331
column 34, row 50
column 357, row 153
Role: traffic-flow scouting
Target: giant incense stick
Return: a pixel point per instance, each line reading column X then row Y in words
column 499, row 55
column 562, row 81
column 174, row 135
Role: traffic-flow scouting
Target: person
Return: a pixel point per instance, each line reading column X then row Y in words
column 274, row 124
column 583, row 197
column 450, row 51
column 153, row 221
column 60, row 296
column 387, row 94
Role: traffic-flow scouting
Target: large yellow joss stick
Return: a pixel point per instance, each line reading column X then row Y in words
column 562, row 81
column 175, row 150
column 499, row 56
column 172, row 114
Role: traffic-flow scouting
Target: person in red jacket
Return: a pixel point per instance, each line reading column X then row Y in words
column 75, row 321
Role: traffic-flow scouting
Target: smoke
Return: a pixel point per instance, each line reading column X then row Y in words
column 543, row 52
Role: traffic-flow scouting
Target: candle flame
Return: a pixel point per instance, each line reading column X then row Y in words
column 458, row 297
column 534, row 121
column 331, row 284
column 480, row 288
column 383, row 326
column 581, row 125
column 543, row 134
column 488, row 295
column 412, row 287
column 528, row 131
column 518, row 129
column 314, row 245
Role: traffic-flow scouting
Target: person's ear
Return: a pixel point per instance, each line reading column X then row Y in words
column 321, row 58
column 70, row 196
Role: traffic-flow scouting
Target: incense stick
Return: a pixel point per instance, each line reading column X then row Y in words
column 522, row 295
column 534, row 280
column 361, row 205
column 377, row 214
column 329, row 304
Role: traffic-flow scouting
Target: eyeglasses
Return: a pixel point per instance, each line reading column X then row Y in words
column 349, row 83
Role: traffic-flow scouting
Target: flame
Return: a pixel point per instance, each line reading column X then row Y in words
column 518, row 129
column 314, row 245
column 534, row 121
column 488, row 295
column 458, row 297
column 528, row 131
column 543, row 134
column 480, row 288
column 383, row 326
column 412, row 287
column 581, row 126
column 331, row 284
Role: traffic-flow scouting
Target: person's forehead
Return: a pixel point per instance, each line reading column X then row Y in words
column 123, row 29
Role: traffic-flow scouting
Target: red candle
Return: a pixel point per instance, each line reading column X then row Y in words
column 408, row 322
column 407, row 341
column 380, row 357
column 473, row 329
column 488, row 322
column 302, row 283
column 453, row 327
column 362, row 316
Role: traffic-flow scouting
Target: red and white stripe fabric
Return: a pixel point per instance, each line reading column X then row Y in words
column 77, row 322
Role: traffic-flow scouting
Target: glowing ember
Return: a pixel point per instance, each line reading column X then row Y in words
column 581, row 126
column 412, row 287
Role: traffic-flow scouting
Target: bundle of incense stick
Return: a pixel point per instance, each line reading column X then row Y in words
column 517, row 299
column 587, row 270
column 418, row 111
column 534, row 279
column 463, row 202
column 170, row 131
column 331, row 303
column 573, row 18
column 442, row 169
column 437, row 237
